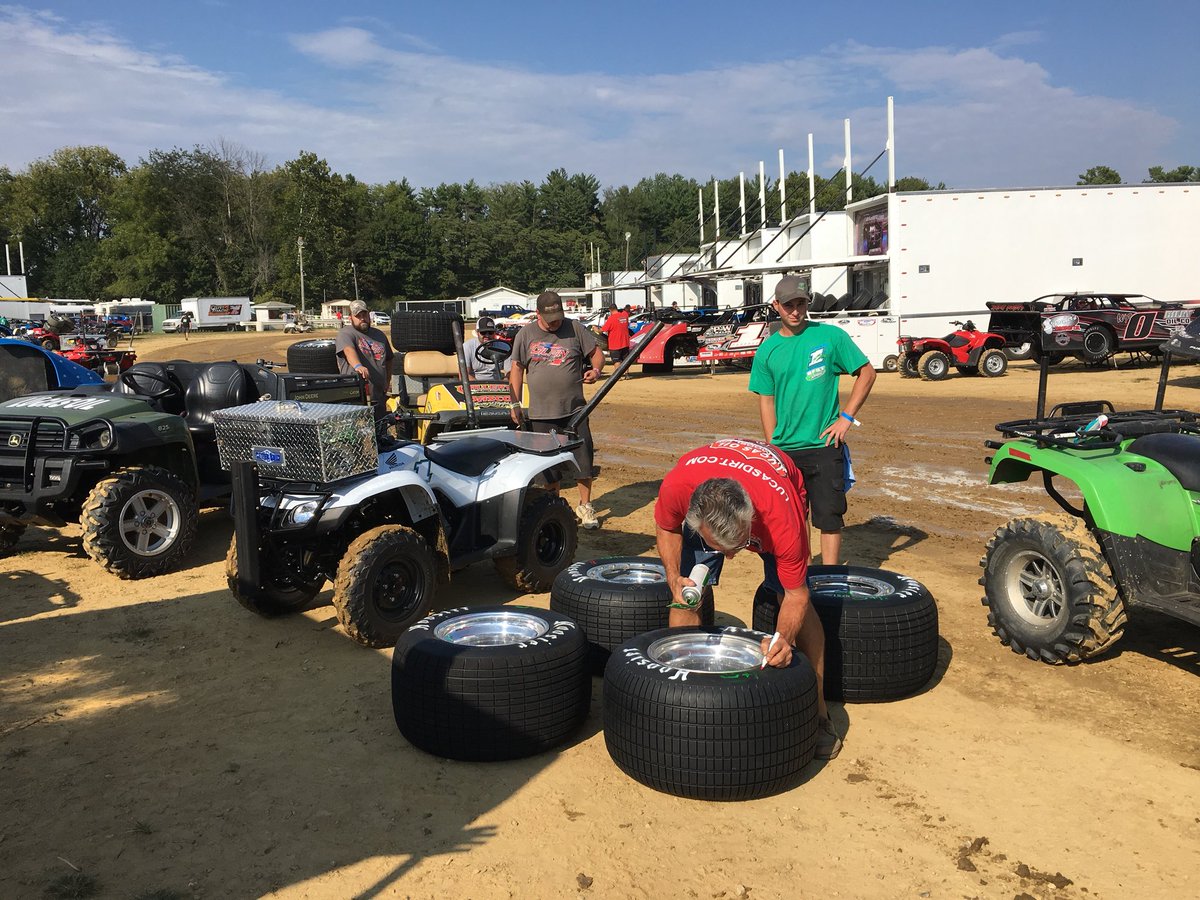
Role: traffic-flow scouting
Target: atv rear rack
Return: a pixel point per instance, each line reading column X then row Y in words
column 1067, row 423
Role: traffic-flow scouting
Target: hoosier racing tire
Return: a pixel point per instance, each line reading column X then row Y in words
column 313, row 357
column 490, row 683
column 617, row 598
column 881, row 631
column 733, row 732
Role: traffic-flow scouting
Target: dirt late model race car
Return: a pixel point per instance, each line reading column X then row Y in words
column 1091, row 326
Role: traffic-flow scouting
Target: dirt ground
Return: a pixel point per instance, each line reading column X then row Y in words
column 159, row 739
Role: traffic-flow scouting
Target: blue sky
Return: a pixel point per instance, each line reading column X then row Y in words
column 987, row 95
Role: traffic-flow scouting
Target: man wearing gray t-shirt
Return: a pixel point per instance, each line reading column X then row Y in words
column 560, row 356
column 364, row 351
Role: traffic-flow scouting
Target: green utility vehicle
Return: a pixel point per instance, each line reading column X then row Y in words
column 132, row 462
column 1058, row 587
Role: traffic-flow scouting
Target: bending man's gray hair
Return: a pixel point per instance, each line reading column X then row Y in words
column 723, row 506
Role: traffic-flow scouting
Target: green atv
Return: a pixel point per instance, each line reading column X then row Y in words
column 131, row 462
column 1058, row 587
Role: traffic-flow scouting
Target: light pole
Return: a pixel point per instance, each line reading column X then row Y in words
column 300, row 248
column 354, row 269
column 628, row 235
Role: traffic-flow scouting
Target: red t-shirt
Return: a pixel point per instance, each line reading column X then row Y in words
column 776, row 490
column 616, row 326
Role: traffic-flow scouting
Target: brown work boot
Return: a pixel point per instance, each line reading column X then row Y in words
column 829, row 744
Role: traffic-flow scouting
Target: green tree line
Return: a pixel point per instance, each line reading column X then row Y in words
column 218, row 221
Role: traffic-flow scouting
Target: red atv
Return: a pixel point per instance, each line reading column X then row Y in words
column 969, row 350
column 97, row 356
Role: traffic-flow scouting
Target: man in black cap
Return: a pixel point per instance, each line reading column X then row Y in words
column 477, row 369
column 796, row 373
column 364, row 350
column 560, row 356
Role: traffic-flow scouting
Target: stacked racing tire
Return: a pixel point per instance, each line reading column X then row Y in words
column 490, row 683
column 881, row 631
column 690, row 712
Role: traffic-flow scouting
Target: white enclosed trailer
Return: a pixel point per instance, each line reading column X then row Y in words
column 227, row 313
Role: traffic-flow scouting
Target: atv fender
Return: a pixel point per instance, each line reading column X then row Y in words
column 409, row 487
column 1118, row 499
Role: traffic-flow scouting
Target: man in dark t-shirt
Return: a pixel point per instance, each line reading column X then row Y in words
column 364, row 350
column 559, row 356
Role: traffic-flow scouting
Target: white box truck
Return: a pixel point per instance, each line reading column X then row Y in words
column 217, row 313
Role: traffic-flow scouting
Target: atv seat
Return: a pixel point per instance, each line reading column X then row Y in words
column 218, row 386
column 425, row 368
column 1179, row 454
column 469, row 456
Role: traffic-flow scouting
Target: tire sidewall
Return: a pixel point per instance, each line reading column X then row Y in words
column 355, row 597
column 562, row 635
column 1012, row 618
column 110, row 498
column 575, row 578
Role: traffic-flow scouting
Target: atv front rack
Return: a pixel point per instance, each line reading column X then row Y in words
column 1067, row 424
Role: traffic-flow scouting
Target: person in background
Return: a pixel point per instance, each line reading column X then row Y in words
column 185, row 325
column 339, row 318
column 560, row 356
column 364, row 350
column 616, row 326
column 735, row 495
column 478, row 370
column 795, row 374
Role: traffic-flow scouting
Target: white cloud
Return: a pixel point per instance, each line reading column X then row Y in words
column 969, row 116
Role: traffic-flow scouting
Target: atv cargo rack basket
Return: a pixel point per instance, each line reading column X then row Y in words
column 293, row 441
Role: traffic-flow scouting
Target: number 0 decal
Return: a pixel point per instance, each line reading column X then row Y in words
column 1140, row 326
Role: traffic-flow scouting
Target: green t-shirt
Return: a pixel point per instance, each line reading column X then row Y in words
column 801, row 373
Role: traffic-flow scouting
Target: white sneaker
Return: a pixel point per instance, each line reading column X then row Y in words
column 587, row 515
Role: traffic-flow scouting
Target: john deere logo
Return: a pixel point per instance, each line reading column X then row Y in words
column 14, row 440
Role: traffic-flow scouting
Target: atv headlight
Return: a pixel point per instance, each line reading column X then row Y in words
column 97, row 436
column 305, row 512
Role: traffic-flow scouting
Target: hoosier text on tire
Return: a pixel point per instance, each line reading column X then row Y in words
column 689, row 712
column 1049, row 592
column 139, row 522
column 490, row 683
column 881, row 631
column 384, row 584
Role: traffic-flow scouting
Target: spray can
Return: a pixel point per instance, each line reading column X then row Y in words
column 692, row 594
column 1095, row 425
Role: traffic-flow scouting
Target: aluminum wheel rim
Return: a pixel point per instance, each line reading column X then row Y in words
column 150, row 522
column 1034, row 588
column 936, row 367
column 862, row 587
column 629, row 572
column 992, row 363
column 491, row 629
column 720, row 653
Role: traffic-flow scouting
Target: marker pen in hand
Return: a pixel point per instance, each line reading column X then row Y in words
column 770, row 647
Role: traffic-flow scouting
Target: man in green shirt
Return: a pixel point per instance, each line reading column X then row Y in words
column 795, row 374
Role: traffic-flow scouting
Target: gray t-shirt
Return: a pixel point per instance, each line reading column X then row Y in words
column 481, row 371
column 554, row 363
column 374, row 351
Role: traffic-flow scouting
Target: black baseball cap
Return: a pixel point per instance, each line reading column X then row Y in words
column 485, row 323
column 549, row 307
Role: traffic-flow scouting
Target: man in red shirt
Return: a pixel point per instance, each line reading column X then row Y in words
column 616, row 326
column 735, row 495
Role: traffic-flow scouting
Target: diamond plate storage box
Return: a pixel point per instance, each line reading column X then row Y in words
column 299, row 441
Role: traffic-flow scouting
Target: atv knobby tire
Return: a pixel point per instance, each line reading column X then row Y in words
column 736, row 734
column 9, row 535
column 385, row 583
column 313, row 357
column 139, row 522
column 908, row 366
column 278, row 596
column 993, row 363
column 934, row 365
column 618, row 598
column 546, row 541
column 881, row 631
column 426, row 329
column 1049, row 591
column 490, row 683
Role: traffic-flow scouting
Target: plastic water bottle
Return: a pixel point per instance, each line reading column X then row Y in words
column 693, row 593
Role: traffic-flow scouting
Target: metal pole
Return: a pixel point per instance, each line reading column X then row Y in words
column 7, row 259
column 701, row 216
column 628, row 235
column 812, row 179
column 300, row 248
column 21, row 249
column 354, row 269
column 762, row 196
column 891, row 145
column 742, row 189
column 716, row 209
column 846, row 166
column 782, row 191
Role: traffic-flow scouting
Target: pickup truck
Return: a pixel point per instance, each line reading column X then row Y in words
column 507, row 311
column 1092, row 326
